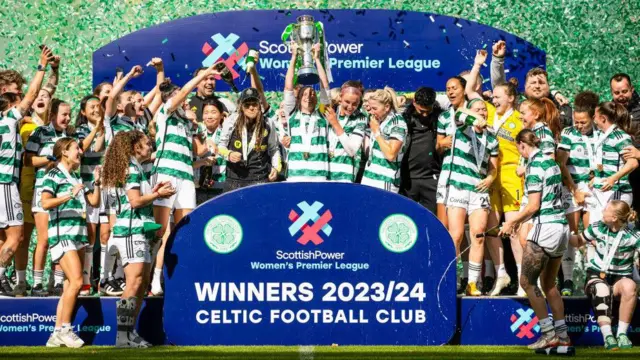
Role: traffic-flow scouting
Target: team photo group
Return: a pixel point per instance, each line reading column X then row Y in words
column 517, row 175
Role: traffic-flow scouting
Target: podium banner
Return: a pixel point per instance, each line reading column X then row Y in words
column 310, row 263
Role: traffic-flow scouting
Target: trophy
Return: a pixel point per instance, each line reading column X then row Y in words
column 305, row 35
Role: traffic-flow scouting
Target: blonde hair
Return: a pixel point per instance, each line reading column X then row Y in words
column 386, row 96
column 623, row 211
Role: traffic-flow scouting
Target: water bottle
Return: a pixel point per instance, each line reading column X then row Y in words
column 560, row 351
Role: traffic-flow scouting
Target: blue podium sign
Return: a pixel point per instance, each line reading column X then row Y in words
column 310, row 263
column 401, row 49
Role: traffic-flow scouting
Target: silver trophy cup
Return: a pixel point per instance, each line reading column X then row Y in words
column 305, row 35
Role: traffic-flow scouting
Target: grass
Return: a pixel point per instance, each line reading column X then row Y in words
column 302, row 353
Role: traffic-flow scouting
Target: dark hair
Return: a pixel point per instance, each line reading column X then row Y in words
column 535, row 72
column 425, row 96
column 98, row 88
column 586, row 101
column 7, row 99
column 11, row 76
column 54, row 108
column 299, row 98
column 213, row 101
column 82, row 119
column 619, row 77
column 528, row 137
column 462, row 81
column 515, row 82
column 259, row 124
column 198, row 70
column 166, row 89
column 60, row 146
column 616, row 114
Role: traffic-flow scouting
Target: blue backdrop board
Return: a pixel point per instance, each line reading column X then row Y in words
column 310, row 263
column 401, row 49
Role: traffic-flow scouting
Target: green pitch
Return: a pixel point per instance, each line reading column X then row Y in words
column 303, row 353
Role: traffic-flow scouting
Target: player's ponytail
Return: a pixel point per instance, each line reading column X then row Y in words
column 528, row 137
column 623, row 211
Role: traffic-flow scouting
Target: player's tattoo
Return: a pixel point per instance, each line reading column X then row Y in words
column 5, row 257
column 534, row 260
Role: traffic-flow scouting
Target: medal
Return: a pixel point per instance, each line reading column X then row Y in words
column 84, row 215
column 600, row 167
column 331, row 154
column 306, row 155
column 603, row 275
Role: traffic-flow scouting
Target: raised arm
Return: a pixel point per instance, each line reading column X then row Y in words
column 481, row 57
column 160, row 76
column 110, row 106
column 34, row 87
column 180, row 97
column 288, row 79
column 257, row 84
column 497, row 63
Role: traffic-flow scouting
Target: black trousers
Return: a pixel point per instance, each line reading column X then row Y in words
column 422, row 191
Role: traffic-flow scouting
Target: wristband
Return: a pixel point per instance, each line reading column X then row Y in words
column 376, row 134
column 42, row 68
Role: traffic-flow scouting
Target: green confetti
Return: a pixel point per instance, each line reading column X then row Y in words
column 165, row 41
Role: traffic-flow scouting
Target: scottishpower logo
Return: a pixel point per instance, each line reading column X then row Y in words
column 225, row 47
column 310, row 232
column 524, row 323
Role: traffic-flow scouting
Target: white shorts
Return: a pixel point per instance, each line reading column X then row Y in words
column 570, row 204
column 63, row 247
column 552, row 238
column 602, row 198
column 441, row 192
column 467, row 199
column 36, row 202
column 382, row 185
column 110, row 203
column 185, row 196
column 10, row 206
column 132, row 249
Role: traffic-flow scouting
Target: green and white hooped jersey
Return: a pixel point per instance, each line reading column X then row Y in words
column 67, row 221
column 547, row 142
column 621, row 262
column 543, row 176
column 41, row 143
column 446, row 127
column 470, row 166
column 10, row 146
column 174, row 144
column 581, row 152
column 342, row 166
column 131, row 221
column 608, row 155
column 378, row 168
column 90, row 158
column 219, row 169
column 113, row 125
column 309, row 149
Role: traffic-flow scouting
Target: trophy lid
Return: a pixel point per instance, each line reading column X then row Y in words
column 305, row 18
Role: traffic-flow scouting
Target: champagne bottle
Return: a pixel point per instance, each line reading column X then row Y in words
column 252, row 58
column 560, row 351
column 463, row 118
column 226, row 75
column 493, row 232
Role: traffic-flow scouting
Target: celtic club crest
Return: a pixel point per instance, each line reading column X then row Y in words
column 398, row 233
column 223, row 234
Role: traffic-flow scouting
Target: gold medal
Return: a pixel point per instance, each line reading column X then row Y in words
column 600, row 167
column 331, row 155
column 306, row 155
column 84, row 214
column 603, row 275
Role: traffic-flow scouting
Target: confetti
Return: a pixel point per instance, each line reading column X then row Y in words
column 165, row 41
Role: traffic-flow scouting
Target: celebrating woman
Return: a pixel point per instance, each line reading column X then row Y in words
column 65, row 198
column 39, row 149
column 576, row 157
column 307, row 141
column 134, row 232
column 611, row 180
column 347, row 128
column 472, row 170
column 386, row 144
column 609, row 273
column 211, row 167
column 91, row 135
column 546, row 242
